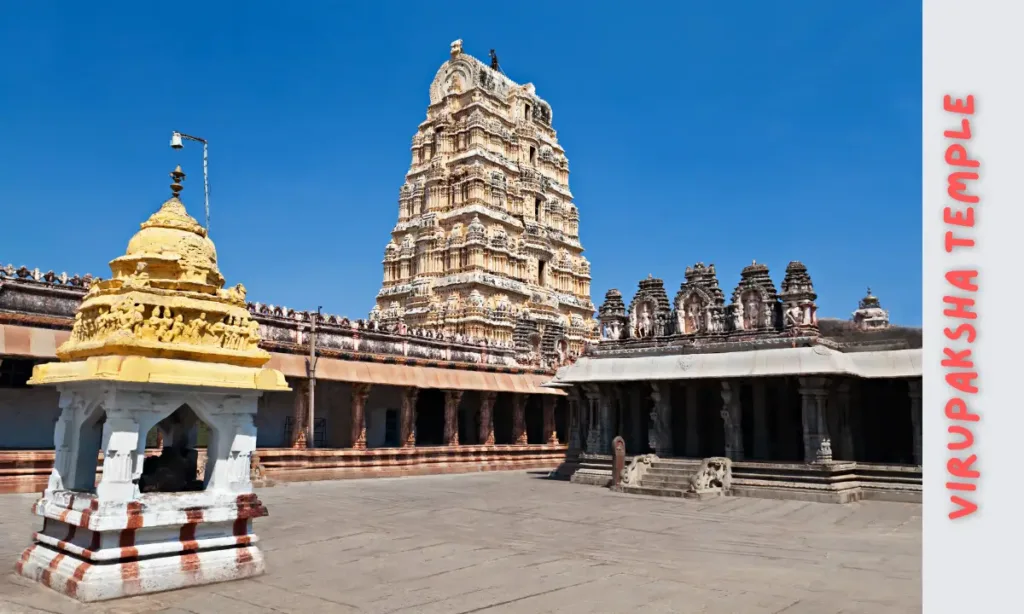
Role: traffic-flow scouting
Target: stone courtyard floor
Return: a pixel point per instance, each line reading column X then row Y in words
column 516, row 542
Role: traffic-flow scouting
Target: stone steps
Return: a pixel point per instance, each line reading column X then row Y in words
column 665, row 478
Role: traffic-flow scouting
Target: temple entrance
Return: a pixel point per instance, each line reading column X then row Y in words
column 430, row 417
column 886, row 428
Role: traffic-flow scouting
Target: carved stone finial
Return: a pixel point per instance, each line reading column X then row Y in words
column 178, row 176
column 456, row 48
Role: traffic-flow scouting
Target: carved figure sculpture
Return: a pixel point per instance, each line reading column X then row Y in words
column 713, row 476
column 634, row 472
column 751, row 312
column 737, row 316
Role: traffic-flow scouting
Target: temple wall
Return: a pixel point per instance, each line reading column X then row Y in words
column 275, row 408
column 27, row 416
column 381, row 399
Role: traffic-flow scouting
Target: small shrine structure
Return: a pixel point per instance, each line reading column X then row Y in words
column 161, row 343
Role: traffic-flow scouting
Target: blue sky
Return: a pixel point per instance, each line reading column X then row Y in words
column 767, row 131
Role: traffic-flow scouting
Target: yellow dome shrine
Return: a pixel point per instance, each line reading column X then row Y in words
column 165, row 302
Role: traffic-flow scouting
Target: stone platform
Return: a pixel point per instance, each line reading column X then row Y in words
column 96, row 551
column 513, row 542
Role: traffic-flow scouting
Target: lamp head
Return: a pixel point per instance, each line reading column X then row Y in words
column 176, row 140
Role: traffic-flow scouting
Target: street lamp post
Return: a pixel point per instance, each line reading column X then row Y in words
column 176, row 143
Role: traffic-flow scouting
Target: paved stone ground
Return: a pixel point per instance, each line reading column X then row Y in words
column 514, row 542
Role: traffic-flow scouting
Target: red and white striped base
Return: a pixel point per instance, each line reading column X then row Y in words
column 93, row 552
column 86, row 581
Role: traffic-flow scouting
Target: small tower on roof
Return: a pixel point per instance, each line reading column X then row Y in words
column 869, row 314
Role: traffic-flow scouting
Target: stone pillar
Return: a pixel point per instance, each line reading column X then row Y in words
column 487, row 417
column 360, row 392
column 606, row 426
column 915, row 416
column 692, row 421
column 407, row 419
column 732, row 420
column 550, row 431
column 451, row 417
column 844, row 422
column 592, row 398
column 762, row 445
column 814, row 405
column 519, row 436
column 121, row 463
column 660, row 433
column 300, row 414
column 575, row 422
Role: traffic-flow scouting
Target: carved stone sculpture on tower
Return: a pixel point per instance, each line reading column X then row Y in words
column 485, row 211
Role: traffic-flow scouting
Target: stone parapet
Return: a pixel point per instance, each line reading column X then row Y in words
column 36, row 299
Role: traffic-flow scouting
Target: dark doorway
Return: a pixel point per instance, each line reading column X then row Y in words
column 503, row 419
column 430, row 417
column 534, row 419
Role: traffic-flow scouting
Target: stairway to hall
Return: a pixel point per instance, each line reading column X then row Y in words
column 667, row 477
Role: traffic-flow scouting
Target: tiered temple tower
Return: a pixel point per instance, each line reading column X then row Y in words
column 487, row 242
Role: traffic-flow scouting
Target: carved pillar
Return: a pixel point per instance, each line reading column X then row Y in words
column 843, row 421
column 605, row 418
column 407, row 421
column 519, row 435
column 451, row 417
column 660, row 433
column 487, row 417
column 732, row 420
column 550, row 432
column 762, row 446
column 299, row 414
column 593, row 400
column 814, row 405
column 692, row 421
column 575, row 420
column 360, row 392
column 915, row 416
column 120, row 456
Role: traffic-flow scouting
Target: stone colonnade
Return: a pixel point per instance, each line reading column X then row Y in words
column 407, row 417
column 826, row 412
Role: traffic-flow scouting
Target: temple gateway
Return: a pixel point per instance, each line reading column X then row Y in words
column 482, row 351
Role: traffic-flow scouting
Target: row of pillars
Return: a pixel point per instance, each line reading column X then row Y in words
column 407, row 417
column 815, row 411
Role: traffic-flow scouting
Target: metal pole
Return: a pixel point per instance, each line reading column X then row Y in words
column 311, row 372
column 206, row 184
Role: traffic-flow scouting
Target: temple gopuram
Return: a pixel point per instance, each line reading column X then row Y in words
column 487, row 242
column 750, row 394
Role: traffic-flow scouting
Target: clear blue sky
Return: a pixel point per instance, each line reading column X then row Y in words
column 694, row 132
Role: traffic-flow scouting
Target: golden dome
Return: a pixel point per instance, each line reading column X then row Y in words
column 166, row 299
column 171, row 246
